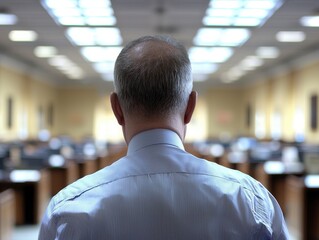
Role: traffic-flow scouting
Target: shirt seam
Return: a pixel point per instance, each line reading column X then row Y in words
column 60, row 203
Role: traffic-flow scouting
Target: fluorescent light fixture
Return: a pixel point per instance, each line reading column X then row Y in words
column 221, row 36
column 231, row 4
column 81, row 12
column 90, row 26
column 200, row 77
column 8, row 19
column 98, row 12
column 251, row 62
column 94, row 4
column 90, row 21
column 247, row 22
column 66, row 66
column 253, row 13
column 59, row 60
column 267, row 52
column 290, row 36
column 100, row 54
column 23, row 36
column 67, row 12
column 84, row 36
column 104, row 67
column 74, row 72
column 45, row 51
column 239, row 12
column 310, row 21
column 209, row 54
column 81, row 36
column 60, row 4
column 101, row 21
column 217, row 21
column 208, row 36
column 204, row 68
column 212, row 12
column 108, row 36
column 233, row 74
column 109, row 77
column 262, row 4
column 72, row 21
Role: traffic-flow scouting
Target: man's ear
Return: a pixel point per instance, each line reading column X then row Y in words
column 117, row 109
column 190, row 107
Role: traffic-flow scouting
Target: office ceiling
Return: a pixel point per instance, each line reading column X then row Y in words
column 179, row 18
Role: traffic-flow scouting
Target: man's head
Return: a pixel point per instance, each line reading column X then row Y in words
column 152, row 79
column 153, row 76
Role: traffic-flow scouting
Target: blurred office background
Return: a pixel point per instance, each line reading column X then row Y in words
column 255, row 65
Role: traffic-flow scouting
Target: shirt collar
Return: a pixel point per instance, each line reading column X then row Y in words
column 152, row 137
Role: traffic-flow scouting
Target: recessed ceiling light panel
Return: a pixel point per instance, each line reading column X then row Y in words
column 81, row 12
column 45, row 51
column 310, row 21
column 204, row 68
column 23, row 36
column 290, row 36
column 8, row 19
column 221, row 36
column 239, row 12
column 85, row 36
column 267, row 52
column 100, row 54
column 209, row 54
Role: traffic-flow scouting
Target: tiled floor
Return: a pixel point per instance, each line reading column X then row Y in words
column 26, row 232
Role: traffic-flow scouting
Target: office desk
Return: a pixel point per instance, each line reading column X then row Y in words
column 62, row 176
column 235, row 160
column 86, row 165
column 31, row 190
column 302, row 213
column 113, row 155
column 7, row 211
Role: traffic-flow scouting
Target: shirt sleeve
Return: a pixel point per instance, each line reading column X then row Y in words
column 278, row 222
column 48, row 226
column 268, row 211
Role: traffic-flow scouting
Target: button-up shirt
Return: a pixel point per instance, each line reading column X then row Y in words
column 159, row 191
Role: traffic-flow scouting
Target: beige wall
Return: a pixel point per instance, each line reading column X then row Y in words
column 225, row 112
column 106, row 127
column 286, row 94
column 75, row 111
column 81, row 112
column 28, row 96
column 307, row 84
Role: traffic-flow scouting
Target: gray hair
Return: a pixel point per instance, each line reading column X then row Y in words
column 152, row 76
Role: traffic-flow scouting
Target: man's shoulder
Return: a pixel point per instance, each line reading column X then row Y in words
column 87, row 183
column 223, row 177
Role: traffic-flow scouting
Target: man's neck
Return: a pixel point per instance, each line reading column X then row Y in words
column 135, row 126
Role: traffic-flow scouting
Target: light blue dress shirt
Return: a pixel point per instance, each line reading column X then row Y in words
column 159, row 191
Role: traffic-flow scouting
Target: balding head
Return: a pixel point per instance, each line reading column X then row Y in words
column 153, row 77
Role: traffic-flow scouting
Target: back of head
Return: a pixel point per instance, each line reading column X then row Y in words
column 152, row 76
